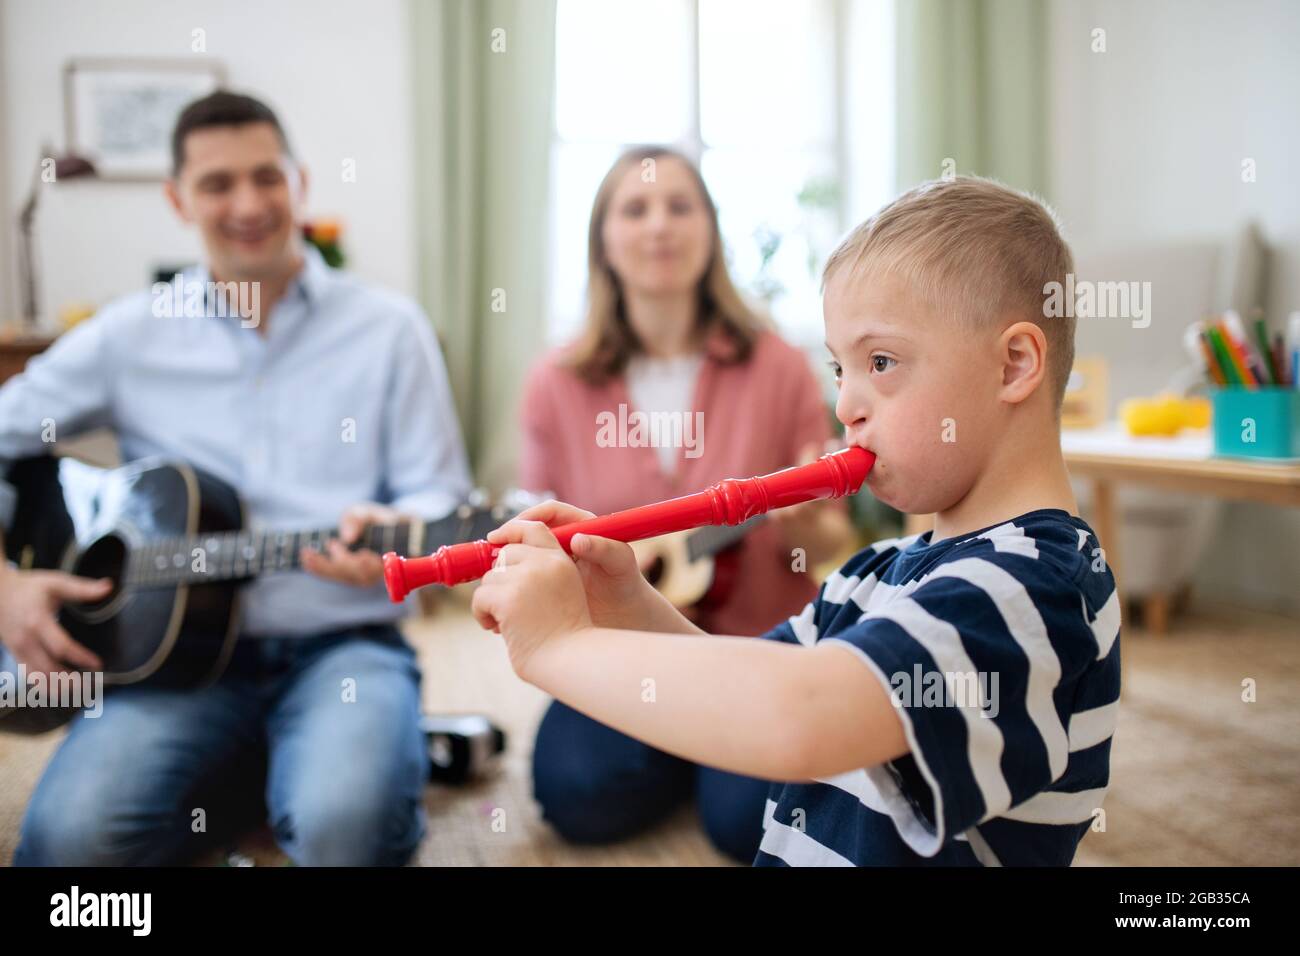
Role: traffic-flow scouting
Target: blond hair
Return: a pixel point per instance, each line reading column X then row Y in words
column 971, row 248
column 607, row 340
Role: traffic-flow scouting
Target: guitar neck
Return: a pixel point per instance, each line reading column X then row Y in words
column 238, row 555
column 706, row 542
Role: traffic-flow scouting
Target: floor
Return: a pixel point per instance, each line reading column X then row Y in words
column 1200, row 777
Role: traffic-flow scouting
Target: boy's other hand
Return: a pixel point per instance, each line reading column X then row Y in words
column 615, row 588
column 533, row 593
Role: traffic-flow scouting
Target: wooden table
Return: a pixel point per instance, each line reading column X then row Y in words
column 1107, row 457
column 15, row 350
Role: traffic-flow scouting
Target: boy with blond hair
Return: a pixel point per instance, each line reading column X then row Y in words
column 948, row 698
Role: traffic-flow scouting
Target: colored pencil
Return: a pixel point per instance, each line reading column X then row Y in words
column 1280, row 362
column 1226, row 364
column 1235, row 354
column 1211, row 362
column 1266, row 353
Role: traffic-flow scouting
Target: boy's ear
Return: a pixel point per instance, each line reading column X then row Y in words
column 1023, row 351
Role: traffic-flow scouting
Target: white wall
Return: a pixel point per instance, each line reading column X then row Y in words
column 1147, row 139
column 336, row 72
column 1146, row 143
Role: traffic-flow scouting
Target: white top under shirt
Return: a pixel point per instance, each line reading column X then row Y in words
column 664, row 385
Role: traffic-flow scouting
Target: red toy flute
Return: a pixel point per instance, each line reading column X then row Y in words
column 729, row 502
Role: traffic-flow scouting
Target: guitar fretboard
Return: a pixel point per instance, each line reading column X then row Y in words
column 715, row 538
column 236, row 555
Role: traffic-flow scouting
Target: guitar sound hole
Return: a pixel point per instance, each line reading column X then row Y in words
column 104, row 559
column 654, row 572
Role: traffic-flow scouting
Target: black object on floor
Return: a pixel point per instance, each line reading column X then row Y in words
column 461, row 746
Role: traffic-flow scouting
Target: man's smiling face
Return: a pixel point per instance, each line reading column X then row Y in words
column 244, row 193
column 917, row 388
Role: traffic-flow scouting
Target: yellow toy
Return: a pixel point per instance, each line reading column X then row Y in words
column 1164, row 414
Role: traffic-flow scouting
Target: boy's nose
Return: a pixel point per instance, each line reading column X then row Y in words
column 850, row 413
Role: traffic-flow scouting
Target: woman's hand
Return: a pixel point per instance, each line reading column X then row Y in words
column 533, row 594
column 618, row 594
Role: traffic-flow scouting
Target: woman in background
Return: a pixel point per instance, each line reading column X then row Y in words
column 667, row 333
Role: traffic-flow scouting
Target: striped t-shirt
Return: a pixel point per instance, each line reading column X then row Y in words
column 1000, row 648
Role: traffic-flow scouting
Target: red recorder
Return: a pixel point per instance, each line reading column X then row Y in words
column 731, row 501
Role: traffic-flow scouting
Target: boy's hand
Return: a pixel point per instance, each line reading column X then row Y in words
column 617, row 592
column 533, row 594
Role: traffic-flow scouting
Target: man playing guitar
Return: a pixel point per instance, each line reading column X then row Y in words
column 296, row 403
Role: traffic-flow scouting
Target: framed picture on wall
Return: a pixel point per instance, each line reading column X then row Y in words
column 119, row 113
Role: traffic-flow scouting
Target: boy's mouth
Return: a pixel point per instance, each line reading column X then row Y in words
column 875, row 460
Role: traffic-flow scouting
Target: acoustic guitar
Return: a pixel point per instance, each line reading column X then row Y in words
column 173, row 540
column 694, row 569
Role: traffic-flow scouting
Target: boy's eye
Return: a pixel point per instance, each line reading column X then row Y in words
column 835, row 367
column 882, row 363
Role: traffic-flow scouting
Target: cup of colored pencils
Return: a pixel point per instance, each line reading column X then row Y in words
column 1256, row 394
column 1249, row 359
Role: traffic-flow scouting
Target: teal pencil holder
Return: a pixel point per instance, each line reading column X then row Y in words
column 1257, row 423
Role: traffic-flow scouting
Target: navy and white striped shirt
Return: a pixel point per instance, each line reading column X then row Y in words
column 1001, row 649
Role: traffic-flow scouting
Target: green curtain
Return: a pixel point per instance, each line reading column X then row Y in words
column 483, row 74
column 971, row 80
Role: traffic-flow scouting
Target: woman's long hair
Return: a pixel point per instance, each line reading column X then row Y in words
column 607, row 340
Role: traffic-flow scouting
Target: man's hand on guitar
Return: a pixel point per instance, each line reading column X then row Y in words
column 29, row 626
column 362, row 568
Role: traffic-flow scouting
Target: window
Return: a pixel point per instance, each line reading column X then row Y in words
column 787, row 105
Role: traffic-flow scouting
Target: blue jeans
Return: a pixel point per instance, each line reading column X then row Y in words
column 596, row 785
column 320, row 733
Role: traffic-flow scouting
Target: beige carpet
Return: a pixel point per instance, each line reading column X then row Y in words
column 1199, row 778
